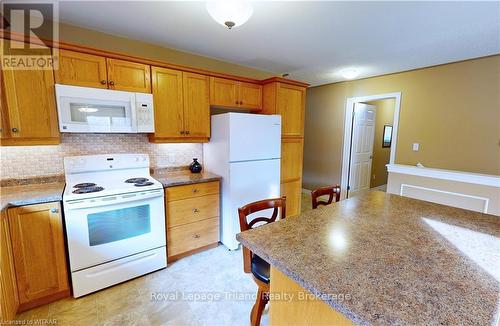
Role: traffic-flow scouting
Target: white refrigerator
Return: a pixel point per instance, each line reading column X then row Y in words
column 245, row 150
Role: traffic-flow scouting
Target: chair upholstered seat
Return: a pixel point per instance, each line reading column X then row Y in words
column 260, row 269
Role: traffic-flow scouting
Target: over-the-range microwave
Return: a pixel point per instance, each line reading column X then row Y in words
column 94, row 110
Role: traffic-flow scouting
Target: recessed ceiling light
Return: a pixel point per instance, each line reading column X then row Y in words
column 349, row 73
column 230, row 13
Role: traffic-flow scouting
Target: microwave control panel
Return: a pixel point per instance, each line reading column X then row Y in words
column 144, row 112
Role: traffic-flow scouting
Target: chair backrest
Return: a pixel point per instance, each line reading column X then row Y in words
column 330, row 191
column 279, row 205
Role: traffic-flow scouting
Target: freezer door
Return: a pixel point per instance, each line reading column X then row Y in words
column 248, row 182
column 254, row 137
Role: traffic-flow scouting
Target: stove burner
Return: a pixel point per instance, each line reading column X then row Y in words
column 136, row 180
column 142, row 184
column 84, row 185
column 87, row 190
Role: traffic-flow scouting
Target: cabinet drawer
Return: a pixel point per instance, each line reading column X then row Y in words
column 181, row 239
column 190, row 210
column 193, row 190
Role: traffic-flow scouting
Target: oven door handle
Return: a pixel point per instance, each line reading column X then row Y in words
column 112, row 200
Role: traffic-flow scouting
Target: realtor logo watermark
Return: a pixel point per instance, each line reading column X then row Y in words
column 37, row 21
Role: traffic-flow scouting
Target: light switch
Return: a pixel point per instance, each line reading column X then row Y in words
column 415, row 147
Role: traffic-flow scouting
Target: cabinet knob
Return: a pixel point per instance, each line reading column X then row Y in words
column 196, row 210
column 15, row 130
column 182, row 132
column 111, row 83
column 195, row 190
column 241, row 102
column 187, row 132
column 54, row 210
column 196, row 236
column 103, row 82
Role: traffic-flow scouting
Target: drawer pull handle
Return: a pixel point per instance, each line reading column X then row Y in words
column 195, row 190
column 196, row 236
column 196, row 210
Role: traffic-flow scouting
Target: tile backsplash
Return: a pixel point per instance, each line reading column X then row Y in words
column 33, row 161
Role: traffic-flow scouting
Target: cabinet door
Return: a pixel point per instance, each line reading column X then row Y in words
column 4, row 127
column 223, row 92
column 291, row 159
column 128, row 76
column 8, row 287
column 31, row 106
column 80, row 69
column 293, row 192
column 290, row 105
column 196, row 105
column 250, row 96
column 39, row 254
column 168, row 103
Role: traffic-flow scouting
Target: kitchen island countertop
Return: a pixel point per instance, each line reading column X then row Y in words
column 402, row 261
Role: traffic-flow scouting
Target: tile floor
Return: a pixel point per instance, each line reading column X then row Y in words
column 217, row 273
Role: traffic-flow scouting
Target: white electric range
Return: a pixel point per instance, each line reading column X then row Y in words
column 115, row 220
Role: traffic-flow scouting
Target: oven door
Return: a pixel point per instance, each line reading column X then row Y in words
column 103, row 229
column 83, row 109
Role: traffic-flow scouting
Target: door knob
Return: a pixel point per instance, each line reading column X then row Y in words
column 103, row 82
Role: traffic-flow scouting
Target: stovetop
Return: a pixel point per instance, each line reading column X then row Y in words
column 106, row 175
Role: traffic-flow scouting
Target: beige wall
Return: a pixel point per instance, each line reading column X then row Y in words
column 384, row 115
column 95, row 39
column 452, row 110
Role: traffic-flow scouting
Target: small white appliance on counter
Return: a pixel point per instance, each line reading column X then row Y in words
column 115, row 220
column 95, row 110
column 244, row 149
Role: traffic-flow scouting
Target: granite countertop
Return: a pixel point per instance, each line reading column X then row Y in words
column 43, row 192
column 30, row 194
column 171, row 178
column 401, row 260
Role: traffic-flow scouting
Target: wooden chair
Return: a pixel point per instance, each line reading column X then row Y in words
column 330, row 191
column 252, row 263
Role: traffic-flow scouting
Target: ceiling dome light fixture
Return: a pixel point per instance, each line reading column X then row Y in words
column 350, row 73
column 230, row 13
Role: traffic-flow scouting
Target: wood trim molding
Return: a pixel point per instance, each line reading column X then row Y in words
column 122, row 56
column 284, row 81
column 459, row 176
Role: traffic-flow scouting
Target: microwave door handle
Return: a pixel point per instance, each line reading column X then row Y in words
column 133, row 113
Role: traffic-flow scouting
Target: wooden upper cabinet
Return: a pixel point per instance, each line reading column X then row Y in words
column 289, row 102
column 290, row 105
column 39, row 254
column 128, row 76
column 80, row 69
column 291, row 159
column 196, row 105
column 235, row 94
column 168, row 102
column 223, row 92
column 250, row 96
column 30, row 107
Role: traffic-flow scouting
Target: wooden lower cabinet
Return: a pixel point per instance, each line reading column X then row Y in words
column 192, row 218
column 293, row 192
column 9, row 300
column 39, row 254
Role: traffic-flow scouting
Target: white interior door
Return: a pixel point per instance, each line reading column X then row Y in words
column 363, row 133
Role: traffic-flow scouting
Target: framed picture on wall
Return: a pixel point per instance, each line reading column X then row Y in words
column 387, row 137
